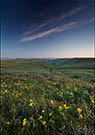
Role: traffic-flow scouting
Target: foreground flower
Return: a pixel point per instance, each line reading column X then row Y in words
column 60, row 107
column 40, row 117
column 92, row 101
column 31, row 104
column 66, row 107
column 6, row 91
column 76, row 89
column 8, row 123
column 52, row 102
column 91, row 97
column 71, row 93
column 81, row 116
column 31, row 100
column 43, row 111
column 50, row 114
column 44, row 122
column 61, row 93
column 79, row 110
column 24, row 122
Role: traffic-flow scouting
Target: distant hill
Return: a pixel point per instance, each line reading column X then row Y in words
column 62, row 63
column 81, row 60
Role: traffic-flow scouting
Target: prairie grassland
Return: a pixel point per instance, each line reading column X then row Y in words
column 47, row 98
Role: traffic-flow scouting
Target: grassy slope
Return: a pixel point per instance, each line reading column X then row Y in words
column 79, row 68
column 43, row 81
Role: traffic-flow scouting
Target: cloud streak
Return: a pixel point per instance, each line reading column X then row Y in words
column 52, row 22
column 53, row 25
column 45, row 33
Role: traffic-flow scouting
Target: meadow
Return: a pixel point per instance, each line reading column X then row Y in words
column 47, row 97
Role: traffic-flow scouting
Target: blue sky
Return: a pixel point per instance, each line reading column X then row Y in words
column 38, row 29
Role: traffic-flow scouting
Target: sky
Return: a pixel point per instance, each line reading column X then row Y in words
column 47, row 28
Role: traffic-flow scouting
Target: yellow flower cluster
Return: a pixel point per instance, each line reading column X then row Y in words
column 3, row 84
column 31, row 103
column 79, row 110
column 24, row 122
column 43, row 122
column 92, row 100
column 66, row 107
column 6, row 91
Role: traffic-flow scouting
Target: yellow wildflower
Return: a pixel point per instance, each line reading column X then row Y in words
column 50, row 114
column 44, row 122
column 24, row 122
column 43, row 111
column 91, row 97
column 79, row 110
column 61, row 93
column 60, row 107
column 31, row 100
column 5, row 85
column 52, row 102
column 81, row 116
column 6, row 91
column 30, row 104
column 71, row 93
column 66, row 107
column 40, row 117
column 76, row 89
column 92, row 101
column 8, row 123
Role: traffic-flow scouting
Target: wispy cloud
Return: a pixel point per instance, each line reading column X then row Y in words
column 53, row 25
column 45, row 33
column 53, row 21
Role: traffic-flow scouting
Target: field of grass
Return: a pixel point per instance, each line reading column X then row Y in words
column 47, row 97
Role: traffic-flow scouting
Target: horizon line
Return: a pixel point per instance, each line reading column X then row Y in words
column 8, row 58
